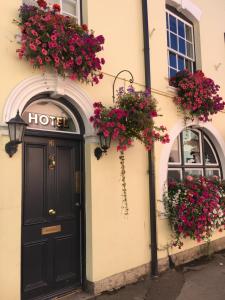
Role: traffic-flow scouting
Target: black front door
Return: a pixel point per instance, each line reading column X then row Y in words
column 51, row 225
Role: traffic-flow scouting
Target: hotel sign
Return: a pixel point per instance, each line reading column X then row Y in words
column 47, row 120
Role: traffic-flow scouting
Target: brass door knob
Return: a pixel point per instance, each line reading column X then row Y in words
column 52, row 212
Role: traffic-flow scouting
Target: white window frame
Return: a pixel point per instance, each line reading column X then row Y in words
column 177, row 53
column 78, row 6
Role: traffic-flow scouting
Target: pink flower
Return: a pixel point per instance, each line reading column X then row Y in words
column 84, row 26
column 42, row 3
column 79, row 60
column 189, row 178
column 73, row 76
column 53, row 37
column 34, row 32
column 56, row 7
column 39, row 59
column 56, row 59
column 33, row 47
column 105, row 133
column 44, row 52
column 72, row 48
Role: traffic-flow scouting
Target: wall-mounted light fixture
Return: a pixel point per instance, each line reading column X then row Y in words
column 104, row 145
column 16, row 132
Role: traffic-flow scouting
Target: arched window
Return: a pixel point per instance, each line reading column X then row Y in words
column 193, row 154
column 180, row 42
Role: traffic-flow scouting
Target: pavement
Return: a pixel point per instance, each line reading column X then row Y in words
column 203, row 279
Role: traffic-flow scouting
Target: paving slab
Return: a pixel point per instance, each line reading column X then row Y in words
column 203, row 279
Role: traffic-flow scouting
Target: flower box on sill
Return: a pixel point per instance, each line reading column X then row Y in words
column 197, row 95
column 51, row 40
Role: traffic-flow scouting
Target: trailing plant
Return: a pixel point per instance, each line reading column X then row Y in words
column 195, row 208
column 197, row 95
column 131, row 117
column 51, row 40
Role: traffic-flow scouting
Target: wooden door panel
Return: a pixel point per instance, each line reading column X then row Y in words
column 65, row 258
column 35, row 265
column 64, row 181
column 35, row 183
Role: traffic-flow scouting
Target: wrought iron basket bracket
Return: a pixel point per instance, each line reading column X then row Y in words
column 117, row 76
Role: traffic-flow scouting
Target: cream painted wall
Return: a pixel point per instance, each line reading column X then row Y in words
column 10, row 223
column 211, row 35
column 114, row 243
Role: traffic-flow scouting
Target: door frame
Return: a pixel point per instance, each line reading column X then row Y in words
column 68, row 136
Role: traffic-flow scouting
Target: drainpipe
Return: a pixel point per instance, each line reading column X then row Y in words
column 151, row 162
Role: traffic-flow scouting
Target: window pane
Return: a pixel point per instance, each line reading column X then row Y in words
column 193, row 172
column 212, row 172
column 180, row 63
column 173, row 41
column 181, row 28
column 173, row 24
column 209, row 155
column 175, row 152
column 167, row 20
column 191, row 147
column 174, row 175
column 173, row 60
column 182, row 48
column 69, row 7
column 189, row 50
column 188, row 33
column 189, row 65
column 172, row 72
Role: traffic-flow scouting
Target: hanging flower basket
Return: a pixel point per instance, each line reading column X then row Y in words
column 195, row 208
column 197, row 95
column 54, row 41
column 132, row 117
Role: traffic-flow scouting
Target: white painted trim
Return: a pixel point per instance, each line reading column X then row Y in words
column 35, row 85
column 186, row 6
column 214, row 136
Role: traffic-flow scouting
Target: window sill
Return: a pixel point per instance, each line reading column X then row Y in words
column 172, row 90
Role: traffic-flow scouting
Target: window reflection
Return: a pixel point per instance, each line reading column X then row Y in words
column 193, row 172
column 212, row 172
column 209, row 153
column 191, row 146
column 175, row 152
column 174, row 175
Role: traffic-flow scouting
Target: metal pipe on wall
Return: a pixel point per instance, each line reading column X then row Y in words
column 151, row 161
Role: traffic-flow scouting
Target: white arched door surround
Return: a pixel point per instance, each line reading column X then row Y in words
column 212, row 133
column 57, row 87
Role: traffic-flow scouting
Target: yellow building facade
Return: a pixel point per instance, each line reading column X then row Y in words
column 114, row 249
